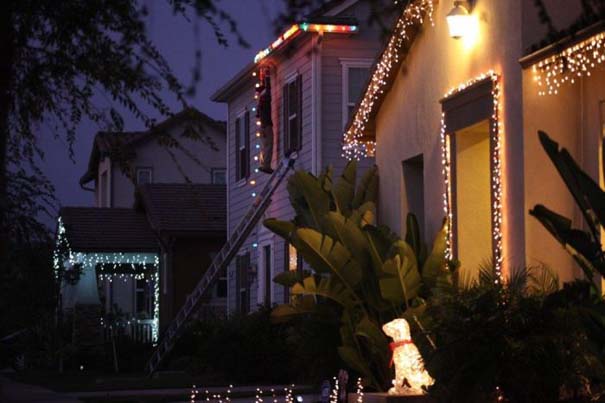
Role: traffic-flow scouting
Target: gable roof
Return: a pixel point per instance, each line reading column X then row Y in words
column 359, row 136
column 324, row 14
column 184, row 210
column 93, row 229
column 125, row 143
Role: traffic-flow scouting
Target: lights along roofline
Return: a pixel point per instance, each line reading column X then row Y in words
column 296, row 29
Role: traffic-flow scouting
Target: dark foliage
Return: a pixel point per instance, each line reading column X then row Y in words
column 251, row 349
column 529, row 346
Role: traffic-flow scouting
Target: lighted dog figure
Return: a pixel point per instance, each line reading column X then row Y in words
column 410, row 375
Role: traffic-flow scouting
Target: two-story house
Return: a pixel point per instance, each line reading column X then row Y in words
column 451, row 115
column 316, row 70
column 160, row 218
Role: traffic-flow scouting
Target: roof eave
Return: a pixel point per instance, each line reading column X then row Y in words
column 563, row 43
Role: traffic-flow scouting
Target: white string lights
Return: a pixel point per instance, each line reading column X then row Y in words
column 497, row 133
column 568, row 65
column 413, row 16
column 111, row 266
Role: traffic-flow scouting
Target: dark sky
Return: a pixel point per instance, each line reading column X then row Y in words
column 174, row 37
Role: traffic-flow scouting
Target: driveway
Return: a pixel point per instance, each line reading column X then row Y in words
column 13, row 392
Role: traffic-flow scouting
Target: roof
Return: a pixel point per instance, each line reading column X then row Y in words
column 195, row 210
column 563, row 40
column 324, row 14
column 93, row 229
column 123, row 144
column 359, row 137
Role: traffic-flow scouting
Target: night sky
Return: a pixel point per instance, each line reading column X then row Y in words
column 174, row 37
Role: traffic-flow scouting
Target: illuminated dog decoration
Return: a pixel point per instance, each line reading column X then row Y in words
column 410, row 375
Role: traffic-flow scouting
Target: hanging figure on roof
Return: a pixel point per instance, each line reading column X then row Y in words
column 263, row 113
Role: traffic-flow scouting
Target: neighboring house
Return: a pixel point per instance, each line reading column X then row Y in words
column 317, row 70
column 454, row 126
column 153, row 233
column 188, row 147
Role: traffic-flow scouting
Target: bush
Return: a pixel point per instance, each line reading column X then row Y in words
column 247, row 349
column 531, row 346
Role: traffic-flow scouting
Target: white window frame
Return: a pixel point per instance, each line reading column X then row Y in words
column 242, row 116
column 260, row 294
column 143, row 169
column 346, row 64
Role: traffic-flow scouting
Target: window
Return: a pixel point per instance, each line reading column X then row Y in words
column 294, row 262
column 292, row 115
column 218, row 176
column 142, row 298
column 144, row 175
column 242, row 284
column 242, row 146
column 221, row 284
column 413, row 188
column 355, row 75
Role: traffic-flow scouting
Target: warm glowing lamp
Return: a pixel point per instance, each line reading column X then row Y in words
column 459, row 21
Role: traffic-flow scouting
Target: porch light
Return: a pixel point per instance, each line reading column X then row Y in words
column 459, row 21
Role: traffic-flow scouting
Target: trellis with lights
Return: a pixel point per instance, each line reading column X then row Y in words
column 496, row 133
column 569, row 65
column 413, row 17
column 111, row 266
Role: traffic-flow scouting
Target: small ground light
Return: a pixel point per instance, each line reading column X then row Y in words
column 81, row 367
column 299, row 399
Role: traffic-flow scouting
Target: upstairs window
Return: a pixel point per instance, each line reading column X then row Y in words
column 218, row 176
column 292, row 115
column 355, row 75
column 144, row 175
column 242, row 146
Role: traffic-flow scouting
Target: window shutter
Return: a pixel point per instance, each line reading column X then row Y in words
column 247, row 145
column 299, row 115
column 285, row 121
column 237, row 157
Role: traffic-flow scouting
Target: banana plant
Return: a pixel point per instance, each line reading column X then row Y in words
column 365, row 271
column 584, row 246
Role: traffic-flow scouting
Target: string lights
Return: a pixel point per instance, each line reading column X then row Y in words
column 570, row 64
column 413, row 16
column 496, row 133
column 296, row 29
column 111, row 266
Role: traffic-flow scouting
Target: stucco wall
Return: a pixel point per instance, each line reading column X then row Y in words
column 572, row 118
column 408, row 123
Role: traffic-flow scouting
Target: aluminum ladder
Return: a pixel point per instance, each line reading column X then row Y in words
column 220, row 262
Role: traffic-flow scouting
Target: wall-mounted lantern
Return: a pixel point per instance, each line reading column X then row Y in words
column 459, row 21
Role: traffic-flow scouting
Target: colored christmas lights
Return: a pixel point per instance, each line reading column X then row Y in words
column 413, row 16
column 304, row 27
column 496, row 133
column 568, row 65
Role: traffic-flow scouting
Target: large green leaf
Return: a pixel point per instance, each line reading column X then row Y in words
column 310, row 201
column 401, row 280
column 344, row 189
column 367, row 189
column 380, row 241
column 579, row 243
column 348, row 233
column 282, row 228
column 326, row 287
column 434, row 270
column 376, row 339
column 586, row 192
column 326, row 255
column 414, row 239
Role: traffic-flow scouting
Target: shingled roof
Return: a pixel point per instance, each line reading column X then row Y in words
column 93, row 229
column 124, row 143
column 195, row 210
